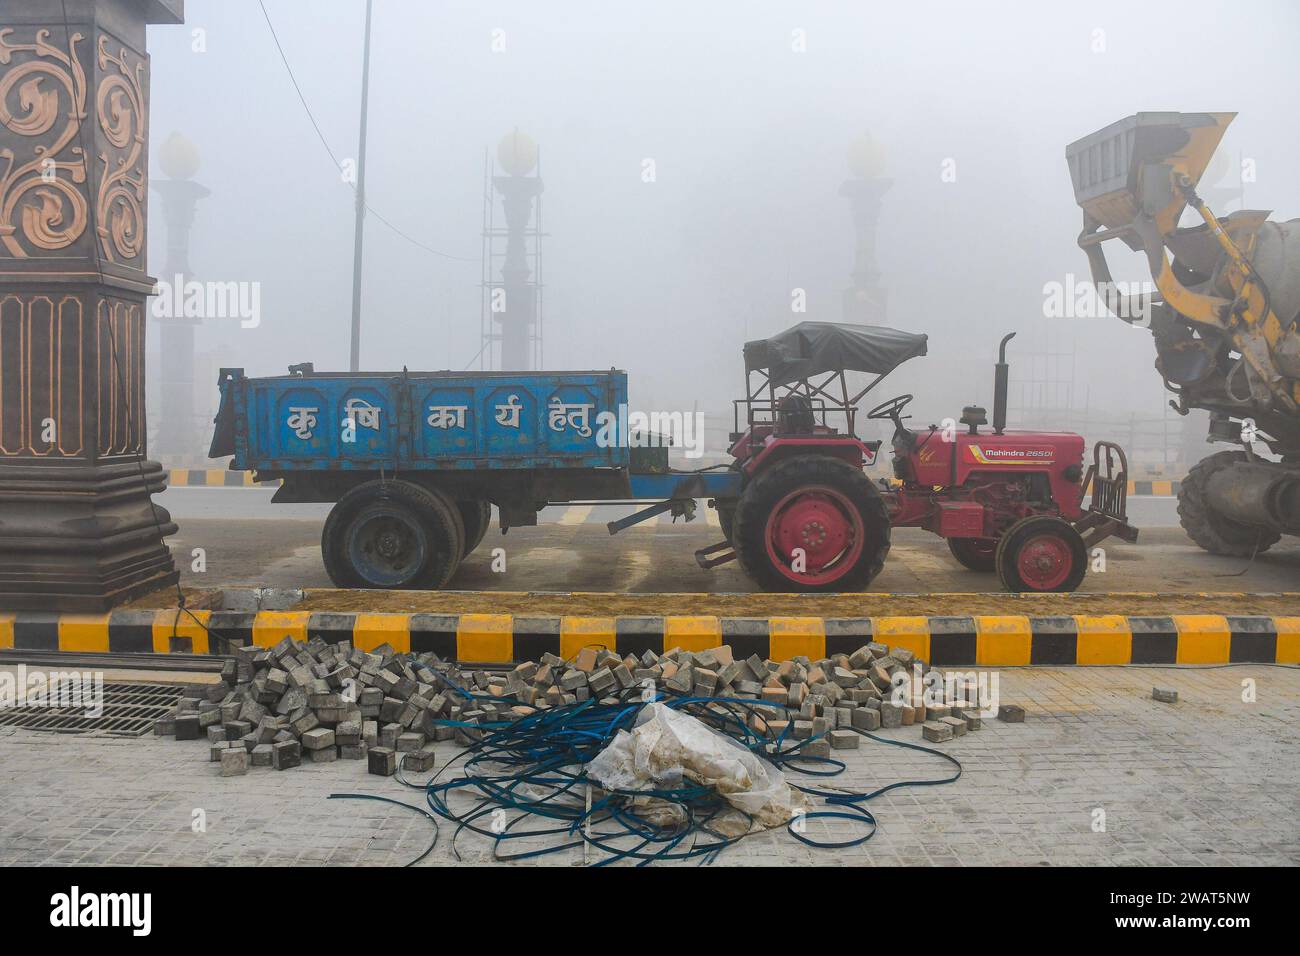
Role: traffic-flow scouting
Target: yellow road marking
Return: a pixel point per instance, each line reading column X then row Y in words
column 271, row 627
column 1103, row 639
column 167, row 623
column 486, row 638
column 576, row 514
column 372, row 630
column 692, row 632
column 796, row 637
column 1288, row 639
column 1002, row 640
column 579, row 632
column 83, row 632
column 1202, row 638
column 912, row 633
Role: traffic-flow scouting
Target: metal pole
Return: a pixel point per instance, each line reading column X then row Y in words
column 355, row 363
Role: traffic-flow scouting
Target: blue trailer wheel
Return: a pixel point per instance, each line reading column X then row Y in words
column 387, row 544
column 476, row 516
column 392, row 534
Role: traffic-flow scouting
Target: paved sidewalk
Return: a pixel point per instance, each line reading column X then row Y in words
column 1209, row 780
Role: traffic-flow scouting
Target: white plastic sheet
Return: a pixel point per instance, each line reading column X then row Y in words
column 667, row 745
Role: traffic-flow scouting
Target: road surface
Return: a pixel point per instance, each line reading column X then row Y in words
column 246, row 540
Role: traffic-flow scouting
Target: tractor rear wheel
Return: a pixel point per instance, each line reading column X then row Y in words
column 1211, row 530
column 475, row 516
column 726, row 510
column 1041, row 553
column 978, row 554
column 811, row 523
column 392, row 535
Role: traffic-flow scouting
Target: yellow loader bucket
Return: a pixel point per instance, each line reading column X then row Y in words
column 1107, row 167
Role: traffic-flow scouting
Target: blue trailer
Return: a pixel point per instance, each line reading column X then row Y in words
column 413, row 461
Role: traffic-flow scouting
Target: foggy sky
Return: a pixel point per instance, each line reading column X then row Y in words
column 748, row 137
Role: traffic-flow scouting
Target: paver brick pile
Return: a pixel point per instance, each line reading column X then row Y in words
column 322, row 702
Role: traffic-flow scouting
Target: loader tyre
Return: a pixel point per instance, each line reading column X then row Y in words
column 1211, row 530
column 392, row 535
column 978, row 554
column 476, row 516
column 821, row 505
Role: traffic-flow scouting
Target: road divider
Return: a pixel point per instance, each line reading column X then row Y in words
column 1007, row 640
column 215, row 478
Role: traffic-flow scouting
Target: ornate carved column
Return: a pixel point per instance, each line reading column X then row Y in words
column 78, row 530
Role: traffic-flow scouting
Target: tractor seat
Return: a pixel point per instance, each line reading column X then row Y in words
column 794, row 416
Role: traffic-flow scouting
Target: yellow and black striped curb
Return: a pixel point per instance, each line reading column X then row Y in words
column 222, row 478
column 976, row 640
column 1146, row 489
column 215, row 478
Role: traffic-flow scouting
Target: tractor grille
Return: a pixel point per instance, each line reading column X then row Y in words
column 128, row 710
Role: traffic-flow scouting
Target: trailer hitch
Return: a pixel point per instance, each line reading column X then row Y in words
column 680, row 508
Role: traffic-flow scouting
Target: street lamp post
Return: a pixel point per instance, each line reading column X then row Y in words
column 865, row 299
column 517, row 155
column 179, row 159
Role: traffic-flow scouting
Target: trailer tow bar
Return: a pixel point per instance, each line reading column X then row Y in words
column 680, row 507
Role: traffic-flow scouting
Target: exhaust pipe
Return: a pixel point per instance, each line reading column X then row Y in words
column 1001, row 377
column 1257, row 493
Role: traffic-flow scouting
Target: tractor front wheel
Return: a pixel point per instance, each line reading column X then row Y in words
column 1041, row 553
column 811, row 523
column 978, row 554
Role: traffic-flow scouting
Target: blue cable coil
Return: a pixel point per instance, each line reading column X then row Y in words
column 533, row 768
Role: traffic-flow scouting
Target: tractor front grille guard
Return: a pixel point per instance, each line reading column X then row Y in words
column 1107, row 512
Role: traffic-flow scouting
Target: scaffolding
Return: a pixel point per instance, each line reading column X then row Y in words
column 1045, row 395
column 493, row 257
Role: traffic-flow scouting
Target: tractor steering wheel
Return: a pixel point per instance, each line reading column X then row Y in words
column 891, row 408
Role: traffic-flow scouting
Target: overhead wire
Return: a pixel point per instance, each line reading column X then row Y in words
column 334, row 157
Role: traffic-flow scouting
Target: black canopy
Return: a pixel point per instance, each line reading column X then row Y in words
column 811, row 348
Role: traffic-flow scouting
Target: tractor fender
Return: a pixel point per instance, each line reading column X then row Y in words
column 846, row 448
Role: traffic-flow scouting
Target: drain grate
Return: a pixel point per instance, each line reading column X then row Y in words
column 127, row 710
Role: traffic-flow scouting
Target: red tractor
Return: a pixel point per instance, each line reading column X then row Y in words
column 807, row 518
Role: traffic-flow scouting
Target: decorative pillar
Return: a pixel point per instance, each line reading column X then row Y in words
column 177, row 435
column 865, row 299
column 78, row 531
column 517, row 154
